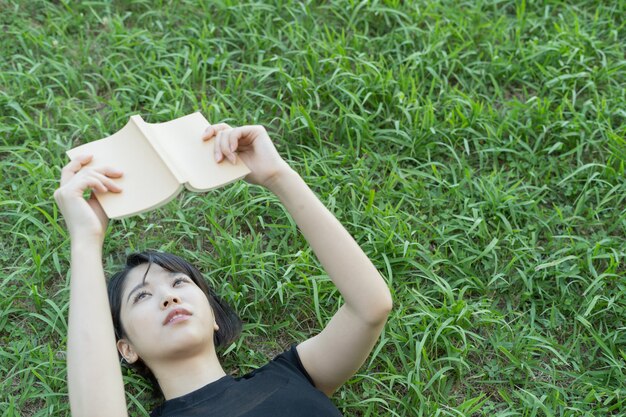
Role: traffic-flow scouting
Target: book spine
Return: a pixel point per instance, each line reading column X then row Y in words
column 144, row 128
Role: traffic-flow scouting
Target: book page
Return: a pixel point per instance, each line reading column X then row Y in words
column 146, row 183
column 194, row 158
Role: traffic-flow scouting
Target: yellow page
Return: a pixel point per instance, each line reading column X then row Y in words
column 181, row 140
column 147, row 183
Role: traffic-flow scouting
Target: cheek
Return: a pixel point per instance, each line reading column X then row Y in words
column 203, row 307
column 138, row 323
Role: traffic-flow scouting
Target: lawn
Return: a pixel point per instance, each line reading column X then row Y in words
column 476, row 150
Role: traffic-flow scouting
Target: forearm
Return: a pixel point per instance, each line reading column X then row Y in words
column 94, row 375
column 358, row 281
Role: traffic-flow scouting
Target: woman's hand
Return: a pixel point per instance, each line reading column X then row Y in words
column 85, row 219
column 255, row 148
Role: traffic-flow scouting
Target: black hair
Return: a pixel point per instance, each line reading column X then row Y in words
column 227, row 319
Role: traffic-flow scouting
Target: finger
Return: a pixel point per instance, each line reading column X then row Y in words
column 224, row 145
column 110, row 172
column 219, row 155
column 93, row 183
column 208, row 133
column 97, row 181
column 233, row 140
column 213, row 130
column 74, row 166
column 246, row 135
column 84, row 158
column 108, row 183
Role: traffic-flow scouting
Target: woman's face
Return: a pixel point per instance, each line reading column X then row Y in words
column 165, row 317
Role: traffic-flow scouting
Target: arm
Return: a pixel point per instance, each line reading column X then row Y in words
column 94, row 375
column 339, row 350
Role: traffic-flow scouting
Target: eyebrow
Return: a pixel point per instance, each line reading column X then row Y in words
column 144, row 283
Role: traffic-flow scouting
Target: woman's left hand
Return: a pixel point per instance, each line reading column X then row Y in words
column 255, row 148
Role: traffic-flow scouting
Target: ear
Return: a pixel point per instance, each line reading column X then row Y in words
column 216, row 327
column 127, row 351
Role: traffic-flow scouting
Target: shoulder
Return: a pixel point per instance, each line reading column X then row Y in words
column 286, row 363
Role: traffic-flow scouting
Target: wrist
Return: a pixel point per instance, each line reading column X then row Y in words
column 85, row 243
column 279, row 182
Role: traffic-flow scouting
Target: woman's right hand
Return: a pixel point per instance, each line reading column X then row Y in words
column 85, row 219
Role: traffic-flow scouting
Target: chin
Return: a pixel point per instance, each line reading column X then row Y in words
column 186, row 342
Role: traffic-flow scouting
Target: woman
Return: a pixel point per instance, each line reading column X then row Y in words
column 168, row 322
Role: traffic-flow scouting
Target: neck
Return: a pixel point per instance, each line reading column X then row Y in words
column 181, row 376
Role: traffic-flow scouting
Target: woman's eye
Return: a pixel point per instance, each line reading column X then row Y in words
column 140, row 296
column 179, row 280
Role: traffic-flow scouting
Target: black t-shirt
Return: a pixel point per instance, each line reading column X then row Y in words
column 282, row 387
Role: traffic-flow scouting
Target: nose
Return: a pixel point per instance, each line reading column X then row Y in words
column 170, row 299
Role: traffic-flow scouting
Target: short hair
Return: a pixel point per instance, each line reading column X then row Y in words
column 227, row 319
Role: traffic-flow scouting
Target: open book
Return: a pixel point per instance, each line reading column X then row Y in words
column 157, row 160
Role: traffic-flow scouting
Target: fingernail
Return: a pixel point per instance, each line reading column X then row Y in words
column 231, row 158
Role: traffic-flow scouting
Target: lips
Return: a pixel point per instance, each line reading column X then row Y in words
column 175, row 313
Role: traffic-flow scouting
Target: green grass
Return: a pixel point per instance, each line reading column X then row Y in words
column 475, row 150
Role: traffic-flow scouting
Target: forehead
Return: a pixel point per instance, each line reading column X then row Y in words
column 136, row 275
